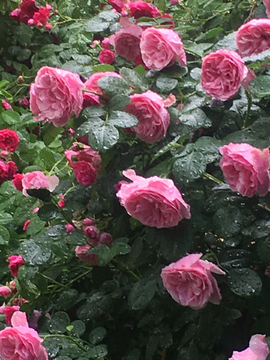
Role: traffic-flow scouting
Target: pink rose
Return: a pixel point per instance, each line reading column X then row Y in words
column 105, row 43
column 55, row 95
column 9, row 140
column 88, row 222
column 17, row 181
column 106, row 56
column 6, row 105
column 257, row 350
column 8, row 311
column 253, row 37
column 90, row 99
column 15, row 262
column 161, row 47
column 153, row 201
column 140, row 8
column 21, row 342
column 246, row 168
column 37, row 180
column 127, row 42
column 85, row 172
column 5, row 291
column 41, row 16
column 92, row 82
column 222, row 74
column 190, row 283
column 154, row 118
column 81, row 253
column 91, row 232
column 267, row 5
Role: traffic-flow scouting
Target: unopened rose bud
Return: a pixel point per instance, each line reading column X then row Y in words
column 24, row 102
column 30, row 22
column 105, row 239
column 91, row 232
column 48, row 27
column 5, row 291
column 70, row 228
column 20, row 79
column 88, row 222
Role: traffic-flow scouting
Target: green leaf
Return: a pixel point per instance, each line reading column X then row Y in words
column 97, row 352
column 75, row 238
column 88, row 126
column 244, row 282
column 196, row 119
column 92, row 112
column 103, row 68
column 209, row 147
column 119, row 102
column 104, row 254
column 113, row 85
column 78, row 328
column 51, row 134
column 59, row 322
column 141, row 294
column 33, row 253
column 4, row 236
column 103, row 137
column 67, row 299
column 209, row 34
column 260, row 86
column 264, row 55
column 122, row 119
column 47, row 157
column 36, row 225
column 25, row 210
column 263, row 250
column 190, row 165
column 5, row 218
column 97, row 335
column 11, row 117
column 133, row 355
column 134, row 79
column 166, row 84
column 8, row 189
column 119, row 248
column 227, row 221
column 96, row 25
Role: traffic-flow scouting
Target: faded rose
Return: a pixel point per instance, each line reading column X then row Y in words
column 154, row 118
column 38, row 180
column 9, row 140
column 153, row 201
column 246, row 168
column 190, row 283
column 55, row 95
column 253, row 37
column 127, row 42
column 15, row 262
column 161, row 47
column 21, row 342
column 222, row 74
column 106, row 56
column 257, row 350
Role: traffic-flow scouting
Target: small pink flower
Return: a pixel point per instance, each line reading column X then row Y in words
column 6, row 105
column 9, row 140
column 55, row 95
column 154, row 118
column 15, row 262
column 17, row 181
column 161, row 47
column 246, row 168
column 140, row 8
column 190, row 283
column 35, row 210
column 154, row 201
column 88, row 222
column 61, row 203
column 70, row 228
column 81, row 253
column 222, row 74
column 21, row 341
column 127, row 42
column 257, row 350
column 94, row 44
column 5, row 291
column 90, row 99
column 41, row 16
column 91, row 232
column 48, row 27
column 105, row 239
column 253, row 37
column 24, row 102
column 106, row 56
column 37, row 180
column 105, row 43
column 26, row 224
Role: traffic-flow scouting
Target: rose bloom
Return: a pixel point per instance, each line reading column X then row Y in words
column 25, row 12
column 21, row 342
column 85, row 173
column 9, row 140
column 153, row 201
column 5, row 291
column 267, row 6
column 81, row 253
column 246, row 168
column 8, row 311
column 92, row 82
column 17, row 181
column 12, row 169
column 222, row 74
column 154, row 118
column 106, row 56
column 37, row 180
column 161, row 47
column 140, row 8
column 190, row 283
column 253, row 37
column 41, row 16
column 15, row 262
column 257, row 350
column 55, row 95
column 127, row 42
